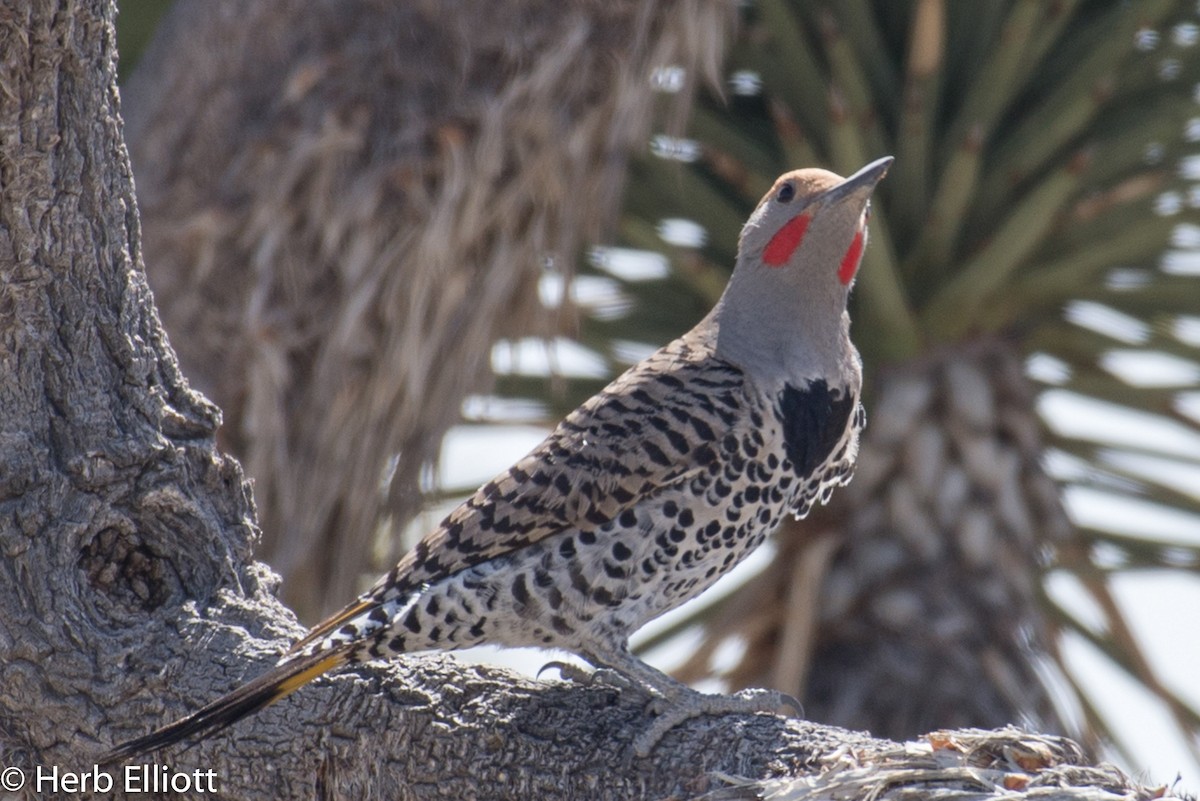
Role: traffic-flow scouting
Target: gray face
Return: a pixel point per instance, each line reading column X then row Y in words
column 784, row 310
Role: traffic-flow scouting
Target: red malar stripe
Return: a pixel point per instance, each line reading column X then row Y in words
column 850, row 261
column 786, row 240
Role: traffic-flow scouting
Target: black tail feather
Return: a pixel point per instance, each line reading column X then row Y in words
column 268, row 688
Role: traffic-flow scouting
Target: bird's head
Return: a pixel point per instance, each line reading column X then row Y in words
column 812, row 222
column 797, row 258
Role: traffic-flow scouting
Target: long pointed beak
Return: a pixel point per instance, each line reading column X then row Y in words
column 861, row 183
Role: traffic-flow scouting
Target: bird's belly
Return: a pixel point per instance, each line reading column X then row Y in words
column 580, row 586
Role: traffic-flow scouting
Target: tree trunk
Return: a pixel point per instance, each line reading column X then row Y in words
column 346, row 203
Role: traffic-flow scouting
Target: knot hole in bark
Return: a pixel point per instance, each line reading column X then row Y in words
column 121, row 566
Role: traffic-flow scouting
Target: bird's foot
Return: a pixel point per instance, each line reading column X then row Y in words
column 598, row 677
column 680, row 708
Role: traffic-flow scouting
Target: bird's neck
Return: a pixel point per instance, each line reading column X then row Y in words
column 778, row 342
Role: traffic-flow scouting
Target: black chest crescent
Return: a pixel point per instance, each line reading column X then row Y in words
column 814, row 418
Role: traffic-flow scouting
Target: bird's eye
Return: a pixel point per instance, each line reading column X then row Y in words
column 786, row 193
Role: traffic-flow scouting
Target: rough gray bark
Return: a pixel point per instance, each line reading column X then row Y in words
column 128, row 592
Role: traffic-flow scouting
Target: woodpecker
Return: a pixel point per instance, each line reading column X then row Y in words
column 646, row 494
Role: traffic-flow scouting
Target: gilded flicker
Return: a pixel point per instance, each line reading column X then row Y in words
column 647, row 493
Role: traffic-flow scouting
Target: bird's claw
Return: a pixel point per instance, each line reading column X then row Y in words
column 675, row 710
column 599, row 677
column 771, row 700
column 568, row 671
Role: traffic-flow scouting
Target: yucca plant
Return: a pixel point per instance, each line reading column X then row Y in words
column 1039, row 182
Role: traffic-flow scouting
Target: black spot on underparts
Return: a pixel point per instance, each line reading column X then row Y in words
column 520, row 590
column 670, row 508
column 620, row 551
column 578, row 581
column 628, row 518
column 814, row 419
column 412, row 622
column 477, row 629
column 614, row 571
column 686, row 518
column 587, row 537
